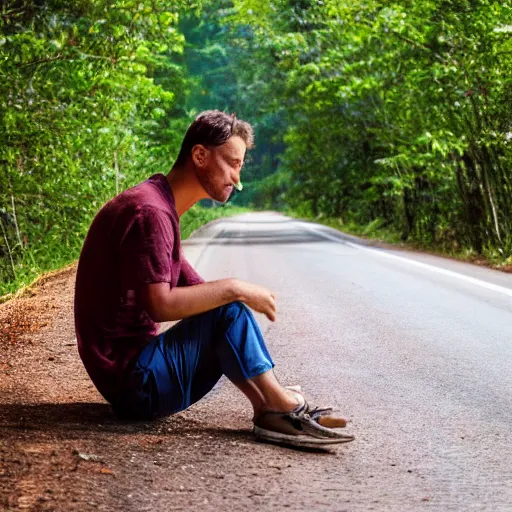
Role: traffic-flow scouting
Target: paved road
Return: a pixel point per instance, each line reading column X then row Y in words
column 415, row 350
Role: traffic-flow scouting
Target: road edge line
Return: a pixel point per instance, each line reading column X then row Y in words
column 432, row 268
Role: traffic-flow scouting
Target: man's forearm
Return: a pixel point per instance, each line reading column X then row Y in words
column 185, row 301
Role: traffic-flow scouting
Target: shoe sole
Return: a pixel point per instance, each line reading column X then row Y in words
column 300, row 440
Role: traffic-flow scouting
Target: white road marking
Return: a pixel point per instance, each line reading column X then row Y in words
column 426, row 266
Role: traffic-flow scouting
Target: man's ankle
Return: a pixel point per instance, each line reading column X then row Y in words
column 287, row 401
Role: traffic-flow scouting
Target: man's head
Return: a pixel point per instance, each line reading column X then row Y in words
column 215, row 144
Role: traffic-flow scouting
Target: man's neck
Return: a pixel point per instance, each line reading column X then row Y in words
column 185, row 187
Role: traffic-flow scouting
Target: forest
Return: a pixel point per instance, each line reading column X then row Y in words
column 376, row 117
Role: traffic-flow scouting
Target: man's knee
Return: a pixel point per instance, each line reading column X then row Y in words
column 235, row 310
column 236, row 306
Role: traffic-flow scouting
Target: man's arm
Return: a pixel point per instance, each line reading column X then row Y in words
column 165, row 304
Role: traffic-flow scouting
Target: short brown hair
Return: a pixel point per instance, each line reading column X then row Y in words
column 214, row 128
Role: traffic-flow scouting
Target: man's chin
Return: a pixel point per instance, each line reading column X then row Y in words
column 220, row 199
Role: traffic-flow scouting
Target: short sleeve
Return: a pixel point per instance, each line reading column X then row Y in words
column 146, row 249
column 188, row 276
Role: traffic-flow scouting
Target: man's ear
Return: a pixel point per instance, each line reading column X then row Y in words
column 199, row 154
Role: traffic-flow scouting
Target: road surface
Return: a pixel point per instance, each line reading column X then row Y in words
column 415, row 350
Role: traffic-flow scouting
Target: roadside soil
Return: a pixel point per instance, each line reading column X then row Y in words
column 61, row 449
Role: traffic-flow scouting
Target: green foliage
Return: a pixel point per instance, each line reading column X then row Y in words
column 85, row 93
column 268, row 193
column 396, row 111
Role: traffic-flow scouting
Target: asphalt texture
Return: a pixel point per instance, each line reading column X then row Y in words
column 415, row 350
column 419, row 361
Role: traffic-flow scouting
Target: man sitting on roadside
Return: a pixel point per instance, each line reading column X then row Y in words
column 132, row 274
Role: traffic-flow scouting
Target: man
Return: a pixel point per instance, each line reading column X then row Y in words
column 132, row 274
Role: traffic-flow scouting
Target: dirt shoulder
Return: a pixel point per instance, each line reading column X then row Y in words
column 61, row 448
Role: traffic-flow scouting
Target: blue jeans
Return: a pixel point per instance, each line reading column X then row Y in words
column 179, row 366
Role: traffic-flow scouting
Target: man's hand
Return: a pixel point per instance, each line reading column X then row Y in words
column 258, row 298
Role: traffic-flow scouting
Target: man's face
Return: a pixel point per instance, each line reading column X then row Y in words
column 220, row 168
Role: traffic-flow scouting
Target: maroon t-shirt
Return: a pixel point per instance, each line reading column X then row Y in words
column 134, row 240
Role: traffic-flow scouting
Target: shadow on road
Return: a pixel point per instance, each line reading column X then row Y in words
column 73, row 415
column 66, row 419
column 256, row 237
column 227, row 220
column 72, row 420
